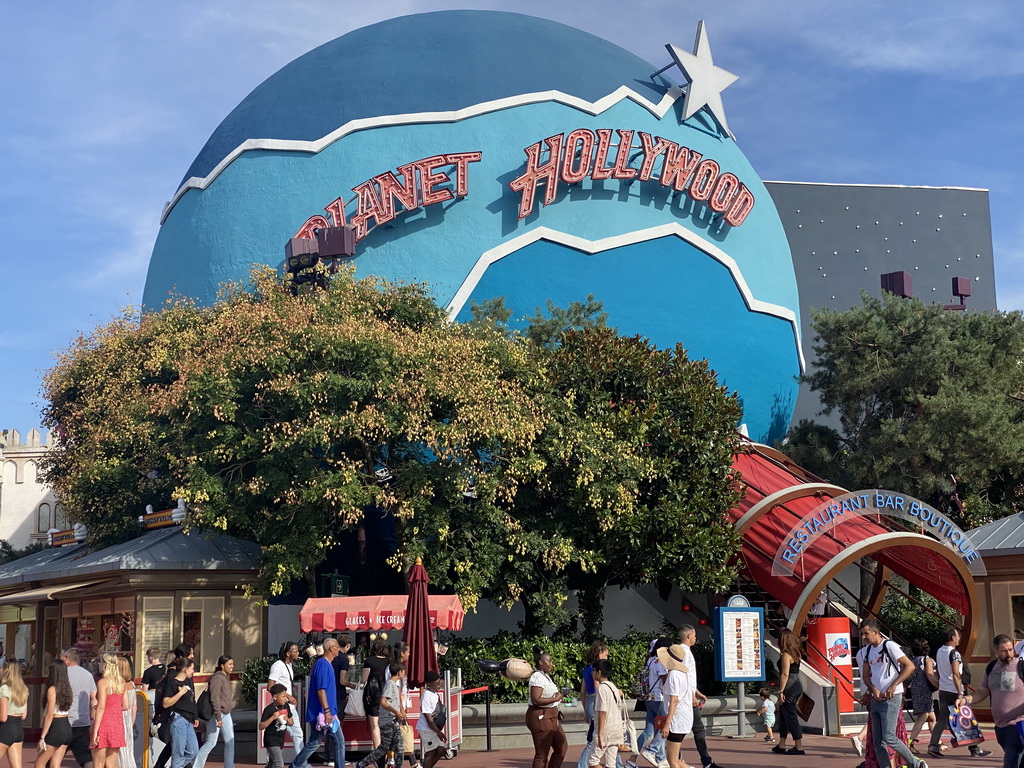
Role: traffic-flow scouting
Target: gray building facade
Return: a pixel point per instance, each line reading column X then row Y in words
column 845, row 236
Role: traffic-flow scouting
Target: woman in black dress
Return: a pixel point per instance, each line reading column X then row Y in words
column 790, row 657
column 374, row 676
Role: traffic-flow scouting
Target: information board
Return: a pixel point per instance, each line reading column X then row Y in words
column 739, row 644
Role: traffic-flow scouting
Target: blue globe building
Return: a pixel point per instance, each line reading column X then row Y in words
column 494, row 154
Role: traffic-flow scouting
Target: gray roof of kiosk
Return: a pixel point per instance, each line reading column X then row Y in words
column 164, row 549
column 1000, row 537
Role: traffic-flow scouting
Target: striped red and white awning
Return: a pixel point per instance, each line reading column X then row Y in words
column 360, row 614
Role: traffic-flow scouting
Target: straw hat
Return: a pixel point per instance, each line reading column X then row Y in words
column 672, row 657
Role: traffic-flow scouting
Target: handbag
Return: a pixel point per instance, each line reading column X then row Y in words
column 354, row 705
column 628, row 729
column 440, row 715
column 407, row 737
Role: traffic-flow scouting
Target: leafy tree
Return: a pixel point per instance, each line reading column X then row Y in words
column 637, row 469
column 9, row 553
column 545, row 329
column 930, row 403
column 515, row 464
column 285, row 419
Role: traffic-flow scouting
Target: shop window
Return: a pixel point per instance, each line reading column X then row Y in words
column 43, row 524
column 192, row 629
column 203, row 621
column 52, row 645
column 1017, row 603
column 22, row 649
column 156, row 623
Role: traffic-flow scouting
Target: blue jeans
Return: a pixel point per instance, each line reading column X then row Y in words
column 311, row 746
column 1008, row 737
column 657, row 742
column 213, row 733
column 184, row 744
column 884, row 716
column 295, row 729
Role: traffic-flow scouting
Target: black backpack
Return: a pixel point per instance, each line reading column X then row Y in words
column 991, row 665
column 204, row 706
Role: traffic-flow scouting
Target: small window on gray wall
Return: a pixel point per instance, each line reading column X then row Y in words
column 44, row 518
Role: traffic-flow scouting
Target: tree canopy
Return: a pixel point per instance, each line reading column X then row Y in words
column 930, row 403
column 514, row 464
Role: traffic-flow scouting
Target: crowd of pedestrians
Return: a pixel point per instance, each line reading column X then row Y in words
column 92, row 711
column 668, row 689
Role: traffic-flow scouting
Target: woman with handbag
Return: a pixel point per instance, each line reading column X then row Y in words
column 373, row 677
column 588, row 695
column 400, row 653
column 791, row 689
column 542, row 715
column 650, row 740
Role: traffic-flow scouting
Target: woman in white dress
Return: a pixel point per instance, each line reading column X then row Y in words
column 126, row 755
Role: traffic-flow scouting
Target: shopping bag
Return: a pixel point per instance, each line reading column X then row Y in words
column 963, row 726
column 354, row 705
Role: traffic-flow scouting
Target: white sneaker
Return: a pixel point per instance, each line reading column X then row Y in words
column 650, row 757
column 664, row 764
column 858, row 745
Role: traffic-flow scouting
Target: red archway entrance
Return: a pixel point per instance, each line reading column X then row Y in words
column 799, row 533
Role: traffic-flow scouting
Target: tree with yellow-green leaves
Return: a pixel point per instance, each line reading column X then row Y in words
column 283, row 419
column 517, row 465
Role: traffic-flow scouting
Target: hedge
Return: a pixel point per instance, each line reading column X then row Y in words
column 627, row 655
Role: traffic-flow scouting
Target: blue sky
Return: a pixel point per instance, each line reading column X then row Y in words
column 104, row 105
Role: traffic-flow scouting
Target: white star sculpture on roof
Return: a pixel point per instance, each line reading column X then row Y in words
column 706, row 80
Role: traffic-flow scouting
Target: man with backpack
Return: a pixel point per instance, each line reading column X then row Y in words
column 883, row 668
column 949, row 666
column 1004, row 682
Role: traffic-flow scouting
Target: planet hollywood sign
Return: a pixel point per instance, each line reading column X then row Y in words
column 827, row 516
column 603, row 154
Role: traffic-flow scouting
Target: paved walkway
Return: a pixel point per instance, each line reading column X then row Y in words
column 822, row 752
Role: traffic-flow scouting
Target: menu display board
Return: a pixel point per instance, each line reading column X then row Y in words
column 739, row 644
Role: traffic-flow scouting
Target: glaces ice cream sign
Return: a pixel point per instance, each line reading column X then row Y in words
column 600, row 155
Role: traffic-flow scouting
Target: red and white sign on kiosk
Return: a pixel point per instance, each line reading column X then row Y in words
column 387, row 612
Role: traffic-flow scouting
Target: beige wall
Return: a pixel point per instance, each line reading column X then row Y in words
column 230, row 624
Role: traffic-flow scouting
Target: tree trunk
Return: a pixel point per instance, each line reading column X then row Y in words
column 309, row 576
column 591, row 604
column 532, row 625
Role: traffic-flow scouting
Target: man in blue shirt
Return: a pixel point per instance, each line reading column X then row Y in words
column 323, row 700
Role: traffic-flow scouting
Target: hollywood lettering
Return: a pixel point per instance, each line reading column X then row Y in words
column 583, row 153
column 380, row 199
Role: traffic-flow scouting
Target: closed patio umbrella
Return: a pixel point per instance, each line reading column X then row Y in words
column 417, row 632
